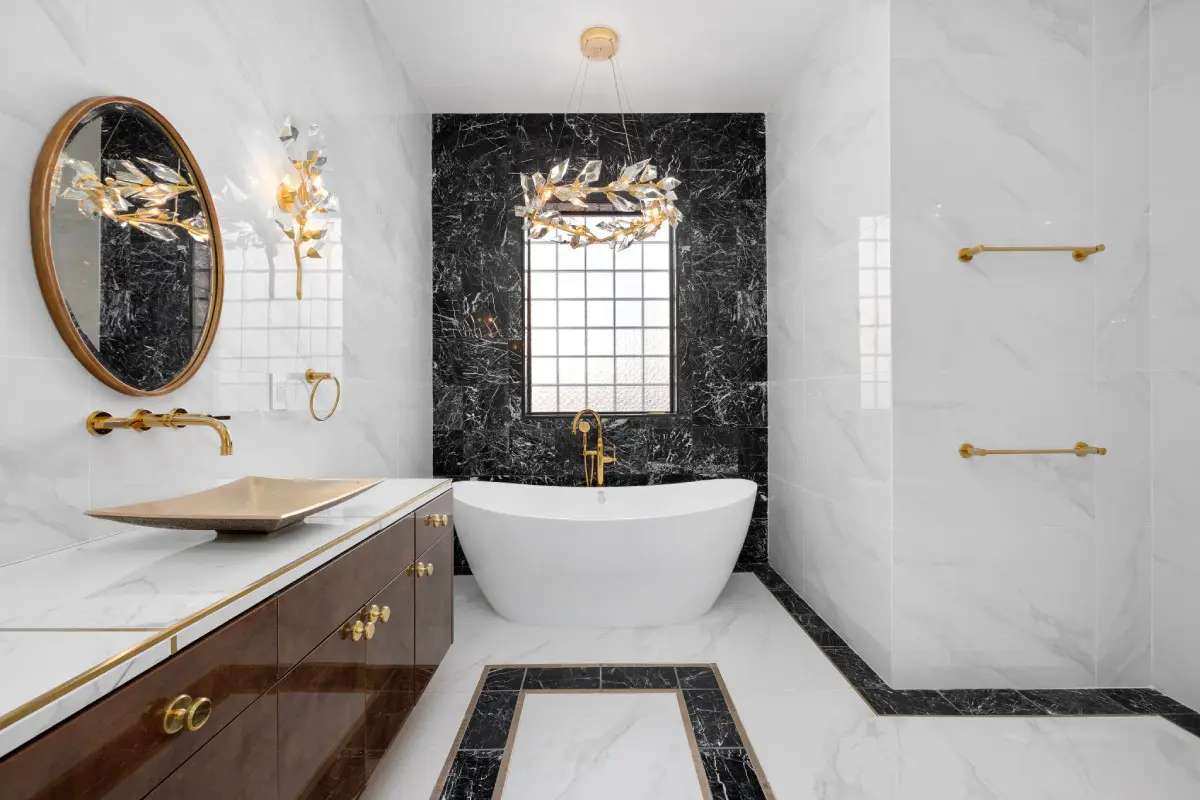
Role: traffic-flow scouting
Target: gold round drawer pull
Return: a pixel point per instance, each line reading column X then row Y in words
column 369, row 630
column 445, row 520
column 429, row 569
column 420, row 569
column 354, row 631
column 371, row 614
column 385, row 613
column 175, row 717
column 198, row 713
column 429, row 520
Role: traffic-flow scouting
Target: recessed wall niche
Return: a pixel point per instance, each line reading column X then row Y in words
column 480, row 427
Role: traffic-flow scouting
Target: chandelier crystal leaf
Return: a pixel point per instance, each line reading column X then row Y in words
column 637, row 189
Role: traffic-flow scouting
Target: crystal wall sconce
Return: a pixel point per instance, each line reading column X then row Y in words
column 304, row 204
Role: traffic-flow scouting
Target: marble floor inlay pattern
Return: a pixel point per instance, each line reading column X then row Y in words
column 887, row 701
column 479, row 763
column 812, row 733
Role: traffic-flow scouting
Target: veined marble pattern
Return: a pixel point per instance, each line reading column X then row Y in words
column 127, row 588
column 366, row 316
column 813, row 734
column 601, row 745
column 720, row 428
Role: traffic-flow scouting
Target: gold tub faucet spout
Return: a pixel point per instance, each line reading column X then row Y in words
column 101, row 422
column 593, row 460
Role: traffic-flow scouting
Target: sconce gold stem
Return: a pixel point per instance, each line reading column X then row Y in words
column 1078, row 253
column 1080, row 449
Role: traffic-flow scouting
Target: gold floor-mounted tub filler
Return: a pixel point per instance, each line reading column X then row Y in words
column 248, row 505
column 593, row 460
column 1080, row 449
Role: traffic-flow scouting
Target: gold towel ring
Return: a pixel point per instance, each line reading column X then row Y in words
column 315, row 378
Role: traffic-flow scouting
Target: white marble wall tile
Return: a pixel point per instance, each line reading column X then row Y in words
column 1122, row 131
column 1175, row 290
column 785, row 329
column 1176, row 545
column 850, row 446
column 994, row 607
column 1124, row 605
column 1174, row 115
column 1124, row 293
column 923, row 28
column 785, row 534
column 848, row 576
column 787, row 447
column 992, row 135
column 366, row 314
column 1000, row 313
column 937, row 411
column 1122, row 29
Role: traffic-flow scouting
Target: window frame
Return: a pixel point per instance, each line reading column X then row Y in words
column 595, row 210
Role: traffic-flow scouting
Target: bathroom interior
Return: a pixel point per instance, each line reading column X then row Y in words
column 480, row 399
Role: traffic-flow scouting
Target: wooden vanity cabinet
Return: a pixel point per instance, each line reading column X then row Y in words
column 302, row 707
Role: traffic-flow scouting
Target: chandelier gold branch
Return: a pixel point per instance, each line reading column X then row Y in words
column 637, row 187
column 649, row 201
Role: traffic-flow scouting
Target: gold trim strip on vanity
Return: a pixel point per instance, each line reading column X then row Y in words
column 65, row 688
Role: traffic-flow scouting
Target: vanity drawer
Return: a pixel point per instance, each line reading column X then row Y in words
column 430, row 524
column 310, row 609
column 118, row 748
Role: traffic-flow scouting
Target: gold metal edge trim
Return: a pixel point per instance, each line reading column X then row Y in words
column 65, row 688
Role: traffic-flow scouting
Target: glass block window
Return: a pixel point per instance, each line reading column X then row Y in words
column 600, row 326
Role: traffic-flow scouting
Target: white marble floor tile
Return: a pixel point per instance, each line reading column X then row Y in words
column 596, row 746
column 813, row 735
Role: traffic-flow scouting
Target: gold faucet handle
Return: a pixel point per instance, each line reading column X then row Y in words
column 613, row 458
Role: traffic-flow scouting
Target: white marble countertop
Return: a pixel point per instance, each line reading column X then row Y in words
column 77, row 623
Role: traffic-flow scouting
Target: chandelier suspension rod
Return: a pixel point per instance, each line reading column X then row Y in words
column 617, row 89
column 558, row 139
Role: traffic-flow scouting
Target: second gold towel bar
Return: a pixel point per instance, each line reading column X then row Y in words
column 1080, row 449
column 1078, row 253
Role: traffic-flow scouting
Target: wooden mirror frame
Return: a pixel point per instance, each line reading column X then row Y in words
column 43, row 254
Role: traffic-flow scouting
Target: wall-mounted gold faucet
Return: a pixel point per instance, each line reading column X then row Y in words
column 593, row 460
column 100, row 423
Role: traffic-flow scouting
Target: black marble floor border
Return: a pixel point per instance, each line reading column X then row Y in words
column 886, row 701
column 478, row 760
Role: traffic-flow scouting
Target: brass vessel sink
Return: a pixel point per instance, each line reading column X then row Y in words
column 248, row 505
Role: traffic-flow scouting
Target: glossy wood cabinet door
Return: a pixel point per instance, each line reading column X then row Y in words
column 391, row 657
column 117, row 748
column 322, row 745
column 240, row 764
column 434, row 609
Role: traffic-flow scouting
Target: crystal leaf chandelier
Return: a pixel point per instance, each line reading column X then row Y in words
column 130, row 197
column 304, row 202
column 638, row 189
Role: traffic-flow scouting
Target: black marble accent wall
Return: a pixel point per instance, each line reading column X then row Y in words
column 151, row 290
column 720, row 430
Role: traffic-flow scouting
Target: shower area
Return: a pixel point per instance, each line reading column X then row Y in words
column 917, row 128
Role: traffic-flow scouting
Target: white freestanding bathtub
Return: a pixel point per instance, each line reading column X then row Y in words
column 603, row 557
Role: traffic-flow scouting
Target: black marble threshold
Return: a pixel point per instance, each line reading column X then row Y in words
column 886, row 701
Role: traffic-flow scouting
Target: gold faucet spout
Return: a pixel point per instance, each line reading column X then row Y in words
column 100, row 423
column 184, row 419
column 593, row 460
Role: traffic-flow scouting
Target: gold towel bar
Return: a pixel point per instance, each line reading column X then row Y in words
column 1078, row 253
column 1080, row 449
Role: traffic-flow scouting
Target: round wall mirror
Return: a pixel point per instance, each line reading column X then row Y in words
column 126, row 245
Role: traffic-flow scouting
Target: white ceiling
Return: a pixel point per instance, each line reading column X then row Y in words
column 521, row 55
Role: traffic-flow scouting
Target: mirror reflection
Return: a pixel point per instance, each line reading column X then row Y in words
column 130, row 242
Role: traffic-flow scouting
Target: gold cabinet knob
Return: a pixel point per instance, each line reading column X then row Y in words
column 198, row 713
column 385, row 613
column 371, row 614
column 354, row 631
column 429, row 569
column 175, row 717
column 429, row 520
column 420, row 569
column 445, row 520
column 369, row 630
